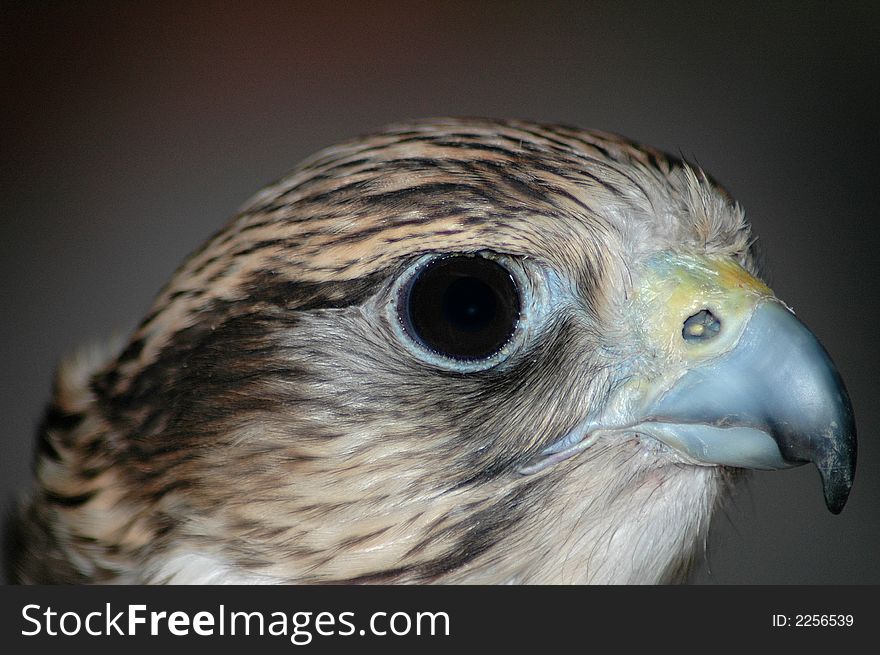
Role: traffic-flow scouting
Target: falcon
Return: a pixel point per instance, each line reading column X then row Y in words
column 454, row 351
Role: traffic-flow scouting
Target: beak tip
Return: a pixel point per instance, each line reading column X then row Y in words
column 835, row 504
column 837, row 482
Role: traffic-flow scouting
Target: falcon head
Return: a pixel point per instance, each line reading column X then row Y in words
column 453, row 351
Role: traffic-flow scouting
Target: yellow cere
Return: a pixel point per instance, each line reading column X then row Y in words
column 672, row 287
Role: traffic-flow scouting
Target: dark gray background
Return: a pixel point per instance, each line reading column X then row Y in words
column 129, row 135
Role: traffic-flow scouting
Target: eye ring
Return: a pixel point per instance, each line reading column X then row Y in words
column 460, row 311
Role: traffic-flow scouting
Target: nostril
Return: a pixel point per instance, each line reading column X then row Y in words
column 701, row 326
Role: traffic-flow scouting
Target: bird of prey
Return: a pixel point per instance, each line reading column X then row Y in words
column 453, row 351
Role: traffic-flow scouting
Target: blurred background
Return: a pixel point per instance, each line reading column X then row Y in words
column 130, row 133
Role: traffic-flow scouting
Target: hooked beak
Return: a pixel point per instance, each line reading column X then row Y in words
column 727, row 376
column 775, row 400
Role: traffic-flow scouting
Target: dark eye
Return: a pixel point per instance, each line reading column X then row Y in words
column 461, row 307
